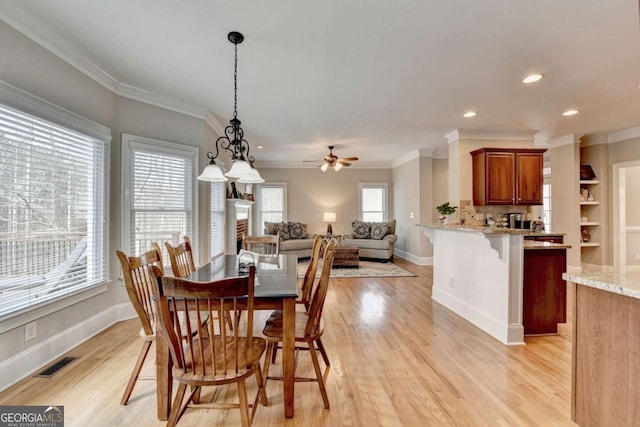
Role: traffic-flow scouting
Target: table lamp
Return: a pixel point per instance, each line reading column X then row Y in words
column 329, row 217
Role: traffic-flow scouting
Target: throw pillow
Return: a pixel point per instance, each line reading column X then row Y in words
column 283, row 228
column 297, row 230
column 379, row 230
column 360, row 230
column 270, row 227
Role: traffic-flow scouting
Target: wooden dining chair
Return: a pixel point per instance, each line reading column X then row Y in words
column 206, row 358
column 268, row 245
column 140, row 288
column 181, row 258
column 308, row 328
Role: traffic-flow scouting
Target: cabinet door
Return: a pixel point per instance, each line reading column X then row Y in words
column 500, row 178
column 529, row 179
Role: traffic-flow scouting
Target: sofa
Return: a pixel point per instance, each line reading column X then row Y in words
column 293, row 237
column 375, row 240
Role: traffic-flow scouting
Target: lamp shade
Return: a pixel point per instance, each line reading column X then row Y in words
column 252, row 177
column 239, row 169
column 329, row 217
column 212, row 173
column 338, row 166
column 324, row 167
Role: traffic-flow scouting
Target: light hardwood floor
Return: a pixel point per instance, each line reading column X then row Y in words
column 397, row 359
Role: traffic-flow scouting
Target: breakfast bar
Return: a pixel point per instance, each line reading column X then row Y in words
column 479, row 273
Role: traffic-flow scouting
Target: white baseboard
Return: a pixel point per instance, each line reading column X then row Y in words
column 413, row 258
column 40, row 355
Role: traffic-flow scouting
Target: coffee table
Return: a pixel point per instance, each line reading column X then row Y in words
column 346, row 257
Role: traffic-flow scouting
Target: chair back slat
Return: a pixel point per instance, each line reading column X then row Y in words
column 319, row 295
column 310, row 273
column 183, row 307
column 268, row 245
column 181, row 258
column 140, row 285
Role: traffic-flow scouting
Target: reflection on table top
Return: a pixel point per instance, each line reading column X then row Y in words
column 277, row 276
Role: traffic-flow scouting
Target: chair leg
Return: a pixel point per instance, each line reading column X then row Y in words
column 262, row 392
column 267, row 359
column 323, row 352
column 136, row 372
column 176, row 408
column 316, row 366
column 244, row 405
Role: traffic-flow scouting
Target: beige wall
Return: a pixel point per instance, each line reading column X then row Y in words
column 310, row 192
column 33, row 69
column 408, row 187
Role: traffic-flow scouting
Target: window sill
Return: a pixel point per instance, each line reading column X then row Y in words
column 15, row 320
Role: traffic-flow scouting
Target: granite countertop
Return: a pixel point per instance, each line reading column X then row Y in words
column 627, row 284
column 535, row 245
column 488, row 230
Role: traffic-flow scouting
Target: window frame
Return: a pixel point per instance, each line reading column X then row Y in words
column 258, row 212
column 376, row 185
column 212, row 212
column 131, row 142
column 26, row 103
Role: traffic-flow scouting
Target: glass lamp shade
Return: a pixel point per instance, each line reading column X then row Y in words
column 212, row 173
column 324, row 167
column 251, row 178
column 338, row 166
column 239, row 169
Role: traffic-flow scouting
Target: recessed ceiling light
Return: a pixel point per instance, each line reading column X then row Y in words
column 532, row 78
column 259, row 147
column 570, row 113
column 469, row 114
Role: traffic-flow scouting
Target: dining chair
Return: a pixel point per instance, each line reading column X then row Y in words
column 268, row 245
column 308, row 328
column 182, row 265
column 140, row 288
column 181, row 258
column 206, row 358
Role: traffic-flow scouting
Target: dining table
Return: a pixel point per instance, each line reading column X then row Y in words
column 276, row 288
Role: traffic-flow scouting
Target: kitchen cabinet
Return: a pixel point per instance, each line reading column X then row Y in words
column 503, row 176
column 552, row 238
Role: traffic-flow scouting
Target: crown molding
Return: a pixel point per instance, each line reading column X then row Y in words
column 213, row 122
column 569, row 139
column 511, row 135
column 49, row 40
column 623, row 135
column 590, row 140
column 411, row 155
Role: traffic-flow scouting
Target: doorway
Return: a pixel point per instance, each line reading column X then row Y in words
column 626, row 216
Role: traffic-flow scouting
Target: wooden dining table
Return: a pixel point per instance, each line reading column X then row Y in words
column 276, row 289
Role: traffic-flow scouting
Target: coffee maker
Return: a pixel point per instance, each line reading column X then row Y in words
column 517, row 220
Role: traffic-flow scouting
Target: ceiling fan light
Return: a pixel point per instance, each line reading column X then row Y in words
column 324, row 167
column 338, row 166
column 212, row 173
column 239, row 169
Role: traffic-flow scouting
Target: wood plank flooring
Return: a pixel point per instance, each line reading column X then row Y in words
column 397, row 359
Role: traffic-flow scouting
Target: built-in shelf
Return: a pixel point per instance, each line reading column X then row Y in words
column 589, row 203
column 589, row 245
column 589, row 223
column 589, row 181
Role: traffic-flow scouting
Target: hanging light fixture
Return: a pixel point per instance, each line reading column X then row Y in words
column 233, row 139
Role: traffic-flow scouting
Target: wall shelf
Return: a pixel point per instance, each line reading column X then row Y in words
column 589, row 181
column 589, row 245
column 589, row 224
column 589, row 203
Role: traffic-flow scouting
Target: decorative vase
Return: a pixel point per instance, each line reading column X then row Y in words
column 442, row 219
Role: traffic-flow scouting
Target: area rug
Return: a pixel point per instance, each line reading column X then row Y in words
column 366, row 269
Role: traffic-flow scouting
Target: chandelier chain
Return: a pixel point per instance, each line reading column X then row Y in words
column 235, row 82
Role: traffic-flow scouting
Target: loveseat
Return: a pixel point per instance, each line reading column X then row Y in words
column 293, row 237
column 375, row 240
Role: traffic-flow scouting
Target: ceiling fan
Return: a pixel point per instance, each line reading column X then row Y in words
column 333, row 161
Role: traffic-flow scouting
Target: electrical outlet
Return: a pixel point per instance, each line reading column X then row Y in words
column 30, row 331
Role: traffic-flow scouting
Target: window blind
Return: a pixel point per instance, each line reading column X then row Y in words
column 218, row 196
column 161, row 198
column 373, row 202
column 52, row 196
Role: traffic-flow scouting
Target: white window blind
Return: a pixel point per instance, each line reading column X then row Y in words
column 272, row 203
column 158, row 201
column 373, row 201
column 218, row 196
column 52, row 204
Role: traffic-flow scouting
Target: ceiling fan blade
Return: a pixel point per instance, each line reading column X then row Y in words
column 345, row 163
column 349, row 159
column 309, row 161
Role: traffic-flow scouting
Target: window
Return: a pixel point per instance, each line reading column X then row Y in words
column 52, row 204
column 373, row 201
column 272, row 203
column 158, row 181
column 218, row 196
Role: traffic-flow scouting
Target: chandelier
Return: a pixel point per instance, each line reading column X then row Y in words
column 233, row 139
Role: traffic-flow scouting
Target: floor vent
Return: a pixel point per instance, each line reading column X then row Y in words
column 55, row 368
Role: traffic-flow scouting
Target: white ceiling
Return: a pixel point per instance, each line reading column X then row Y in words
column 377, row 79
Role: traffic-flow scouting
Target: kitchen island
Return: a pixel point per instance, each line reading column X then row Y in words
column 606, row 345
column 478, row 274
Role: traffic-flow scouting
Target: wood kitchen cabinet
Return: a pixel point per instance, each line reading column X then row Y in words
column 503, row 176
